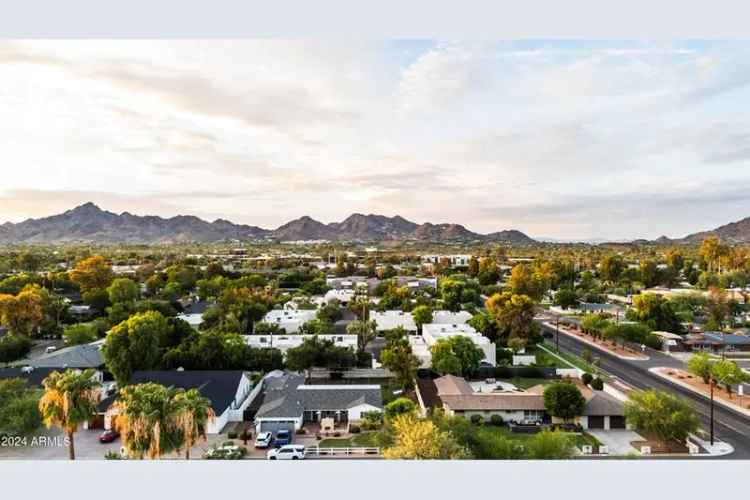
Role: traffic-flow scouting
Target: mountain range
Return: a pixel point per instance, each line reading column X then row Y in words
column 89, row 223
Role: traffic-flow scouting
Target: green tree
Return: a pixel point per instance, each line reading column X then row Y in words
column 727, row 372
column 148, row 420
column 81, row 333
column 700, row 366
column 399, row 406
column 92, row 273
column 397, row 356
column 657, row 312
column 422, row 315
column 566, row 298
column 135, row 344
column 69, row 399
column 193, row 417
column 365, row 331
column 523, row 281
column 122, row 290
column 660, row 416
column 513, row 315
column 611, row 267
column 456, row 355
column 19, row 408
column 564, row 400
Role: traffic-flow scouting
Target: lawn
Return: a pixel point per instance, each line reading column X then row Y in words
column 363, row 440
column 574, row 360
column 522, row 437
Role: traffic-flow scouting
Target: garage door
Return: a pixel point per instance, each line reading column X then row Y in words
column 596, row 422
column 617, row 422
column 287, row 425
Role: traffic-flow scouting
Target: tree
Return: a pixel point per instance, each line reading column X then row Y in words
column 399, row 406
column 193, row 417
column 19, row 408
column 523, row 282
column 649, row 272
column 611, row 267
column 69, row 399
column 422, row 440
column 422, row 315
column 79, row 334
column 566, row 298
column 700, row 366
column 22, row 314
column 513, row 315
column 594, row 324
column 92, row 273
column 661, row 416
column 365, row 331
column 564, row 400
column 122, row 290
column 314, row 352
column 135, row 344
column 657, row 312
column 550, row 445
column 148, row 420
column 728, row 373
column 397, row 357
column 13, row 347
column 456, row 355
column 516, row 344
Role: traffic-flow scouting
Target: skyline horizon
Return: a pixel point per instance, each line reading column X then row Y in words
column 539, row 238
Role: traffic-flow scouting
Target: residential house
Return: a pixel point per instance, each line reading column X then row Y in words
column 284, row 342
column 288, row 403
column 717, row 342
column 229, row 392
column 432, row 332
column 289, row 320
column 442, row 317
column 388, row 320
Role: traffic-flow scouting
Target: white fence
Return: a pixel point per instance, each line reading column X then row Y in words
column 320, row 452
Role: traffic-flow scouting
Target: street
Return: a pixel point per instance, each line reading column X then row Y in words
column 729, row 425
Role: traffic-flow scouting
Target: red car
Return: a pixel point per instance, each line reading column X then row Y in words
column 108, row 436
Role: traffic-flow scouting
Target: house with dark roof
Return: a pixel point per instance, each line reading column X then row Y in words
column 458, row 397
column 288, row 403
column 718, row 342
column 230, row 392
column 32, row 376
column 78, row 356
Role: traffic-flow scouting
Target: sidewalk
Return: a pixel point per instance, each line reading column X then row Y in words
column 601, row 347
column 658, row 371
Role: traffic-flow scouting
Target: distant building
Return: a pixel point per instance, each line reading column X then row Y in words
column 450, row 318
column 432, row 332
column 388, row 320
column 289, row 320
column 284, row 342
column 453, row 260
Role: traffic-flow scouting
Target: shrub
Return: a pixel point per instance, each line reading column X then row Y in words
column 112, row 455
column 318, row 437
column 476, row 419
column 232, row 435
column 337, row 434
column 653, row 341
column 13, row 347
column 597, row 384
column 496, row 420
column 586, row 378
column 354, row 429
column 399, row 407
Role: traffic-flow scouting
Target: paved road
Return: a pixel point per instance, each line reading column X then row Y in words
column 731, row 426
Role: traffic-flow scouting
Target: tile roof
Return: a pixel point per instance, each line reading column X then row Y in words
column 452, row 385
column 515, row 402
column 602, row 404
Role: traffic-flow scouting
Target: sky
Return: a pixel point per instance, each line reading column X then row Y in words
column 558, row 139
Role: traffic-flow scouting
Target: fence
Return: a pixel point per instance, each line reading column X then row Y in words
column 319, row 452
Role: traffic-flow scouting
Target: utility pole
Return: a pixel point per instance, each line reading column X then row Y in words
column 557, row 333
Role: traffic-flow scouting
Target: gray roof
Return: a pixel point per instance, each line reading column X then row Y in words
column 602, row 404
column 78, row 356
column 288, row 396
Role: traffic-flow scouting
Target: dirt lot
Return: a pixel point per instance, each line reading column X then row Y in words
column 698, row 385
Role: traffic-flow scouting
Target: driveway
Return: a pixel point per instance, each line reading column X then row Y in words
column 618, row 440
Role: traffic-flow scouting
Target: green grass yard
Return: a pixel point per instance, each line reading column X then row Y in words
column 362, row 440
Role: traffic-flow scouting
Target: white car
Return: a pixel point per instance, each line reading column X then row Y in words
column 287, row 452
column 263, row 440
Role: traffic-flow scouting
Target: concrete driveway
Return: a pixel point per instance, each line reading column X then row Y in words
column 618, row 440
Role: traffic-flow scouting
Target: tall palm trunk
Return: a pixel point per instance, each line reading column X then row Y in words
column 71, row 447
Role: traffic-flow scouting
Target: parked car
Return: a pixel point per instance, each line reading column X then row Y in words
column 50, row 349
column 282, row 438
column 108, row 436
column 287, row 452
column 264, row 440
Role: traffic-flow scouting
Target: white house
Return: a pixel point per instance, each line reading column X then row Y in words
column 343, row 295
column 388, row 320
column 284, row 342
column 432, row 332
column 289, row 319
column 454, row 260
column 450, row 318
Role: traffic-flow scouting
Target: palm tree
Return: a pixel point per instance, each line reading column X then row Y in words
column 147, row 420
column 69, row 399
column 195, row 413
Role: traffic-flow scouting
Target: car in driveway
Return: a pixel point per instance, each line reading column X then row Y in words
column 264, row 440
column 287, row 452
column 108, row 436
column 283, row 437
